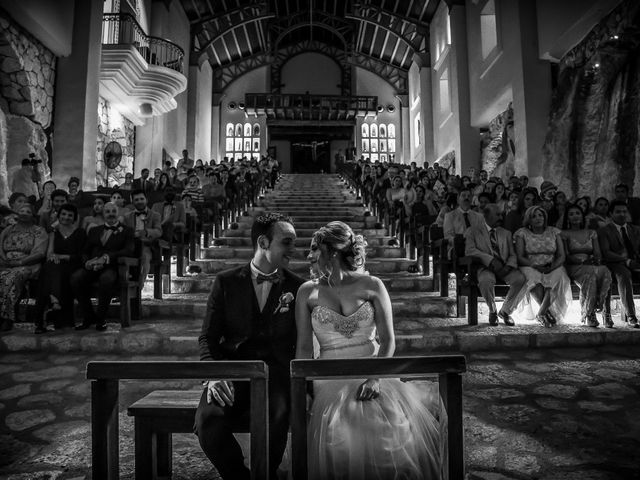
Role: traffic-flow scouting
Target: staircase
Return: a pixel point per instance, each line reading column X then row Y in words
column 312, row 201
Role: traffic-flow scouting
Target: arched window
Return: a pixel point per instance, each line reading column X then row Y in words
column 242, row 140
column 378, row 141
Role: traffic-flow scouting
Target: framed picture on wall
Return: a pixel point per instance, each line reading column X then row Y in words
column 238, row 145
column 374, row 157
column 383, row 157
column 392, row 146
column 247, row 129
column 256, row 144
column 365, row 145
column 229, row 144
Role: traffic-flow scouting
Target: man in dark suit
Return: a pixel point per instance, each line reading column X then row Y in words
column 633, row 204
column 250, row 316
column 493, row 245
column 143, row 183
column 105, row 245
column 620, row 246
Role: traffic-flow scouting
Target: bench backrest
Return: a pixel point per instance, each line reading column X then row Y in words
column 105, row 378
column 448, row 368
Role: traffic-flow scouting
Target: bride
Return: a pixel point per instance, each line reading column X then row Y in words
column 371, row 429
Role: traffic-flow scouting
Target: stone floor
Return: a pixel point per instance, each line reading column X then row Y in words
column 533, row 414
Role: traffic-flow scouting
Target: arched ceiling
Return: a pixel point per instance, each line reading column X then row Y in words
column 380, row 35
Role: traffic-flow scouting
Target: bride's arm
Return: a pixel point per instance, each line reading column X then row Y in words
column 304, row 332
column 383, row 318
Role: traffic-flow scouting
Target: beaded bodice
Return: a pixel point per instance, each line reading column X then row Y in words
column 353, row 335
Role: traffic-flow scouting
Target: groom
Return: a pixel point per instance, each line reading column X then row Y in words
column 250, row 316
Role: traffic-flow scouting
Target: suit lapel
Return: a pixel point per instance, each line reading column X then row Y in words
column 246, row 285
column 274, row 296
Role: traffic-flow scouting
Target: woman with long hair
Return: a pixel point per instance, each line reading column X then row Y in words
column 584, row 265
column 359, row 428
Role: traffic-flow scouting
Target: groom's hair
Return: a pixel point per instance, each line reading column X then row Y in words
column 263, row 225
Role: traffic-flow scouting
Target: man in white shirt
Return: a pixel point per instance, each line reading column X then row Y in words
column 459, row 220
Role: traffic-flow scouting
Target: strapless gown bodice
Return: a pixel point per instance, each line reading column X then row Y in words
column 392, row 436
column 345, row 336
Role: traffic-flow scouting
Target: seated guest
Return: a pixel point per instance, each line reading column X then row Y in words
column 193, row 190
column 213, row 191
column 633, row 204
column 599, row 216
column 17, row 200
column 97, row 217
column 585, row 204
column 118, row 200
column 66, row 244
column 22, row 249
column 557, row 212
column 501, row 197
column 128, row 182
column 620, row 244
column 172, row 216
column 513, row 219
column 541, row 256
column 459, row 220
column 483, row 200
column 493, row 245
column 44, row 203
column 448, row 206
column 145, row 224
column 49, row 218
column 583, row 265
column 74, row 189
column 162, row 183
column 105, row 245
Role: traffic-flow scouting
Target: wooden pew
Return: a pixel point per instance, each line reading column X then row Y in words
column 153, row 438
column 448, row 368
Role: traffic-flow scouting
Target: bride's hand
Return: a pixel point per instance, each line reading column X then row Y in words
column 221, row 391
column 369, row 390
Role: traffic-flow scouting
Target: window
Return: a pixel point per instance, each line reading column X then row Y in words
column 416, row 129
column 443, row 35
column 488, row 29
column 445, row 96
column 242, row 140
column 378, row 141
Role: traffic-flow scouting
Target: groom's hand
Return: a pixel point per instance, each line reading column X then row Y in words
column 369, row 390
column 221, row 391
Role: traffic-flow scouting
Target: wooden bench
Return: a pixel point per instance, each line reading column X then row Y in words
column 448, row 368
column 153, row 436
column 467, row 286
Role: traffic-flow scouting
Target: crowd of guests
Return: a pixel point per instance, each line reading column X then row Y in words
column 67, row 243
column 534, row 240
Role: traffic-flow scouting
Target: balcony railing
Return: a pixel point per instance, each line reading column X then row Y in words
column 123, row 29
column 309, row 107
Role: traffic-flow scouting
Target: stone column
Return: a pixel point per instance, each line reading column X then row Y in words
column 404, row 131
column 217, row 147
column 532, row 92
column 199, row 110
column 76, row 101
column 468, row 151
column 426, row 110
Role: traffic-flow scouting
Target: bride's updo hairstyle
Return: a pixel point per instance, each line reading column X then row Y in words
column 338, row 237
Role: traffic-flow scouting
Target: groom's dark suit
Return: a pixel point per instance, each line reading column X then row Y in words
column 234, row 328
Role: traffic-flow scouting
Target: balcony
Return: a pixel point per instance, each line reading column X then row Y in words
column 139, row 75
column 282, row 108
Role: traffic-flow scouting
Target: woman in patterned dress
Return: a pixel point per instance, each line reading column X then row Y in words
column 583, row 264
column 541, row 257
column 22, row 248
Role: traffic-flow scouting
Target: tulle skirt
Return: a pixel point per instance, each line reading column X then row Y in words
column 393, row 437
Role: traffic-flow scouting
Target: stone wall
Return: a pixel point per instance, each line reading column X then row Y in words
column 27, row 79
column 112, row 126
column 498, row 146
column 593, row 138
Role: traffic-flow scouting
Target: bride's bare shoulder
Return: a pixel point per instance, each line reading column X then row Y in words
column 306, row 288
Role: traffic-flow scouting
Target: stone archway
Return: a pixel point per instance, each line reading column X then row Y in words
column 26, row 101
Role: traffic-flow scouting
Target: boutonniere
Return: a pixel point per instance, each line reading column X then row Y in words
column 284, row 302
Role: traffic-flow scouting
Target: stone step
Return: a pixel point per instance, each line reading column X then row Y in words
column 245, row 241
column 202, row 283
column 376, row 266
column 306, row 230
column 369, row 221
column 225, row 252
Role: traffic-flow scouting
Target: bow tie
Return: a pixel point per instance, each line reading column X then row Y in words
column 273, row 278
column 138, row 213
column 113, row 228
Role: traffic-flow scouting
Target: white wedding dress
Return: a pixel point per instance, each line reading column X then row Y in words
column 392, row 437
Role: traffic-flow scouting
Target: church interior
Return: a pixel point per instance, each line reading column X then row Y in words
column 388, row 115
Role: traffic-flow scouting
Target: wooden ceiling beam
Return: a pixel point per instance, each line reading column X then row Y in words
column 253, row 9
column 237, row 25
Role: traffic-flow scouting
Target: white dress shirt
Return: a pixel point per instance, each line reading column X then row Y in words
column 263, row 289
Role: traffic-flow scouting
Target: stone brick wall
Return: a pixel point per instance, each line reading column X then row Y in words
column 27, row 86
column 498, row 146
column 112, row 126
